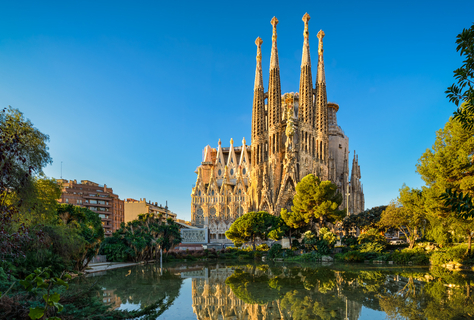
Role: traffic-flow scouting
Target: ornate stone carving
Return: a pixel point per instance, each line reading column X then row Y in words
column 320, row 46
column 194, row 235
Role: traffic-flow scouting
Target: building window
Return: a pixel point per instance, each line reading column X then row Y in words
column 67, row 200
column 213, row 236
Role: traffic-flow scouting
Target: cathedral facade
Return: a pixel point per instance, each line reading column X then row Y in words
column 293, row 135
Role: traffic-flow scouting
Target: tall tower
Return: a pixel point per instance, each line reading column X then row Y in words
column 259, row 130
column 306, row 112
column 274, row 95
column 321, row 106
column 258, row 109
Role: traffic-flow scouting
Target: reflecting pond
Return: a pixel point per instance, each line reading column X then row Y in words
column 290, row 291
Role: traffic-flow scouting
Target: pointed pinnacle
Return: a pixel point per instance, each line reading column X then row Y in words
column 320, row 37
column 258, row 41
column 274, row 22
column 306, row 18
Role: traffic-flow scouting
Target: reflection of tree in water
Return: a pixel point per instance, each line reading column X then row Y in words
column 213, row 299
column 324, row 293
column 261, row 291
column 252, row 288
column 446, row 295
column 143, row 285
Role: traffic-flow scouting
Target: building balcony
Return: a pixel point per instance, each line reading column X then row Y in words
column 98, row 204
column 97, row 196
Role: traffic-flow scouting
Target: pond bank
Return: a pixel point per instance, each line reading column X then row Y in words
column 104, row 266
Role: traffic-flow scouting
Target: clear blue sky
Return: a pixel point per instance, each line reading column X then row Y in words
column 131, row 92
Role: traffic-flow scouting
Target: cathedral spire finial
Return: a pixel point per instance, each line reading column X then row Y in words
column 219, row 143
column 306, row 60
column 305, row 19
column 321, row 76
column 243, row 141
column 258, row 71
column 231, row 141
column 321, row 35
column 274, row 55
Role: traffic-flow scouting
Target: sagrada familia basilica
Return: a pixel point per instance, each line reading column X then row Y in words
column 293, row 135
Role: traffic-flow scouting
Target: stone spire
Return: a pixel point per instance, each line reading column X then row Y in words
column 258, row 70
column 321, row 76
column 258, row 109
column 321, row 104
column 274, row 87
column 306, row 80
column 274, row 55
column 306, row 59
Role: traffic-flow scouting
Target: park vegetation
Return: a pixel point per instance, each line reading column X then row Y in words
column 43, row 243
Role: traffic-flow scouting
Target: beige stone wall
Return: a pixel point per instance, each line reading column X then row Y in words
column 133, row 209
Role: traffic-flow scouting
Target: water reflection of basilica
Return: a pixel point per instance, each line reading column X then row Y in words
column 214, row 299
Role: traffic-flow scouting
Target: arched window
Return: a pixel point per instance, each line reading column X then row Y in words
column 199, row 216
column 212, row 212
column 240, row 211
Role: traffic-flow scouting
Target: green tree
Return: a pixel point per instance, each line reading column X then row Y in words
column 39, row 201
column 463, row 91
column 407, row 214
column 142, row 239
column 23, row 154
column 365, row 220
column 88, row 226
column 315, row 203
column 449, row 164
column 251, row 226
column 31, row 154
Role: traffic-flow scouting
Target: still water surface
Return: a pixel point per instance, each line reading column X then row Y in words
column 291, row 291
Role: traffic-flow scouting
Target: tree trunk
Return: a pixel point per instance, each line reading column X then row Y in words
column 253, row 243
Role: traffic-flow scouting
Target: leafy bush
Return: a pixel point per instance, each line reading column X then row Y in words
column 313, row 256
column 323, row 244
column 286, row 253
column 455, row 254
column 351, row 256
column 371, row 247
column 295, row 244
column 416, row 255
column 372, row 236
column 263, row 247
column 349, row 240
column 274, row 250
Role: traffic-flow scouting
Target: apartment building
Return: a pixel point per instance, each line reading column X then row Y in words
column 133, row 208
column 96, row 197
